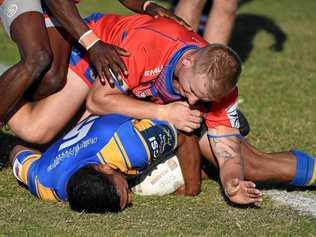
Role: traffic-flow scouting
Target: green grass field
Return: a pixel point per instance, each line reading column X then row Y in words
column 278, row 93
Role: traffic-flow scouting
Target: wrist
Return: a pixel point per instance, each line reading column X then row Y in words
column 161, row 112
column 88, row 39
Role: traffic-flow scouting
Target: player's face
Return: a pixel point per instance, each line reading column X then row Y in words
column 122, row 189
column 120, row 184
column 195, row 87
column 192, row 87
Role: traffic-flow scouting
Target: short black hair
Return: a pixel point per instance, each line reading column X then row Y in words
column 91, row 191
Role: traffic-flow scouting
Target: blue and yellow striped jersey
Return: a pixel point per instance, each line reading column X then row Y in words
column 125, row 144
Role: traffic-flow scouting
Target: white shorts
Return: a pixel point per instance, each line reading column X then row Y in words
column 11, row 9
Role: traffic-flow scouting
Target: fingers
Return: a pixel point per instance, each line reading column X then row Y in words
column 249, row 184
column 196, row 113
column 108, row 75
column 161, row 12
column 182, row 22
column 110, row 70
column 108, row 62
column 118, row 60
column 101, row 71
column 254, row 193
column 122, row 51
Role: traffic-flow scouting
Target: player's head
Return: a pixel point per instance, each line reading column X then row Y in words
column 208, row 74
column 98, row 189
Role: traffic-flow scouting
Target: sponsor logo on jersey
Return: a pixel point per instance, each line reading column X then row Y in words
column 233, row 115
column 153, row 72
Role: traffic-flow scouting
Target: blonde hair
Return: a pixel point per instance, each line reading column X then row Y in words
column 221, row 65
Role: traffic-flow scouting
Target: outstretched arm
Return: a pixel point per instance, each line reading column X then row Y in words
column 107, row 100
column 226, row 146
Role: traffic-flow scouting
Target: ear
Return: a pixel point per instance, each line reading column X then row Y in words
column 187, row 61
column 104, row 168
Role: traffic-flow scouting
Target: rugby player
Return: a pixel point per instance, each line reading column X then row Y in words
column 161, row 65
column 46, row 51
column 88, row 165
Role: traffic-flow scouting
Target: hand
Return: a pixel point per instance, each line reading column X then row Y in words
column 180, row 115
column 156, row 11
column 243, row 192
column 106, row 57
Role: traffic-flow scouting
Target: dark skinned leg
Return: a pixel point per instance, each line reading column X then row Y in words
column 259, row 166
column 55, row 79
column 36, row 57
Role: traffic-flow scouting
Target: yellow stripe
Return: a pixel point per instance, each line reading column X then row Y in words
column 313, row 179
column 45, row 193
column 125, row 156
column 145, row 144
column 132, row 172
column 102, row 160
column 143, row 124
column 113, row 156
column 26, row 165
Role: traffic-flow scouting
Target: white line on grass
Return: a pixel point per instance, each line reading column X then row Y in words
column 295, row 200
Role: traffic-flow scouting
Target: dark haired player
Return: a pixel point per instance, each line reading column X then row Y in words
column 88, row 166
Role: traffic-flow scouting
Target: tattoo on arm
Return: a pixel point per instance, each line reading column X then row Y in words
column 226, row 148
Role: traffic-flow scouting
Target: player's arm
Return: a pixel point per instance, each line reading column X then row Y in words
column 107, row 100
column 225, row 143
column 188, row 154
column 152, row 9
column 102, row 55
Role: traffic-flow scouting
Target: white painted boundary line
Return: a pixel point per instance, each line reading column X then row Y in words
column 2, row 68
column 295, row 200
column 304, row 204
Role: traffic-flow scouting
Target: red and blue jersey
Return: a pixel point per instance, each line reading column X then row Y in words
column 155, row 46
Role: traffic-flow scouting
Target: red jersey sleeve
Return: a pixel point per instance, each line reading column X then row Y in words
column 224, row 113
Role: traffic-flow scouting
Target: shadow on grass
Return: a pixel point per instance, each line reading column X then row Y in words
column 7, row 142
column 247, row 26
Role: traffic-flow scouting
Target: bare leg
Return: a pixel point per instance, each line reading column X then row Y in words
column 221, row 21
column 36, row 58
column 259, row 166
column 190, row 11
column 55, row 79
column 39, row 122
